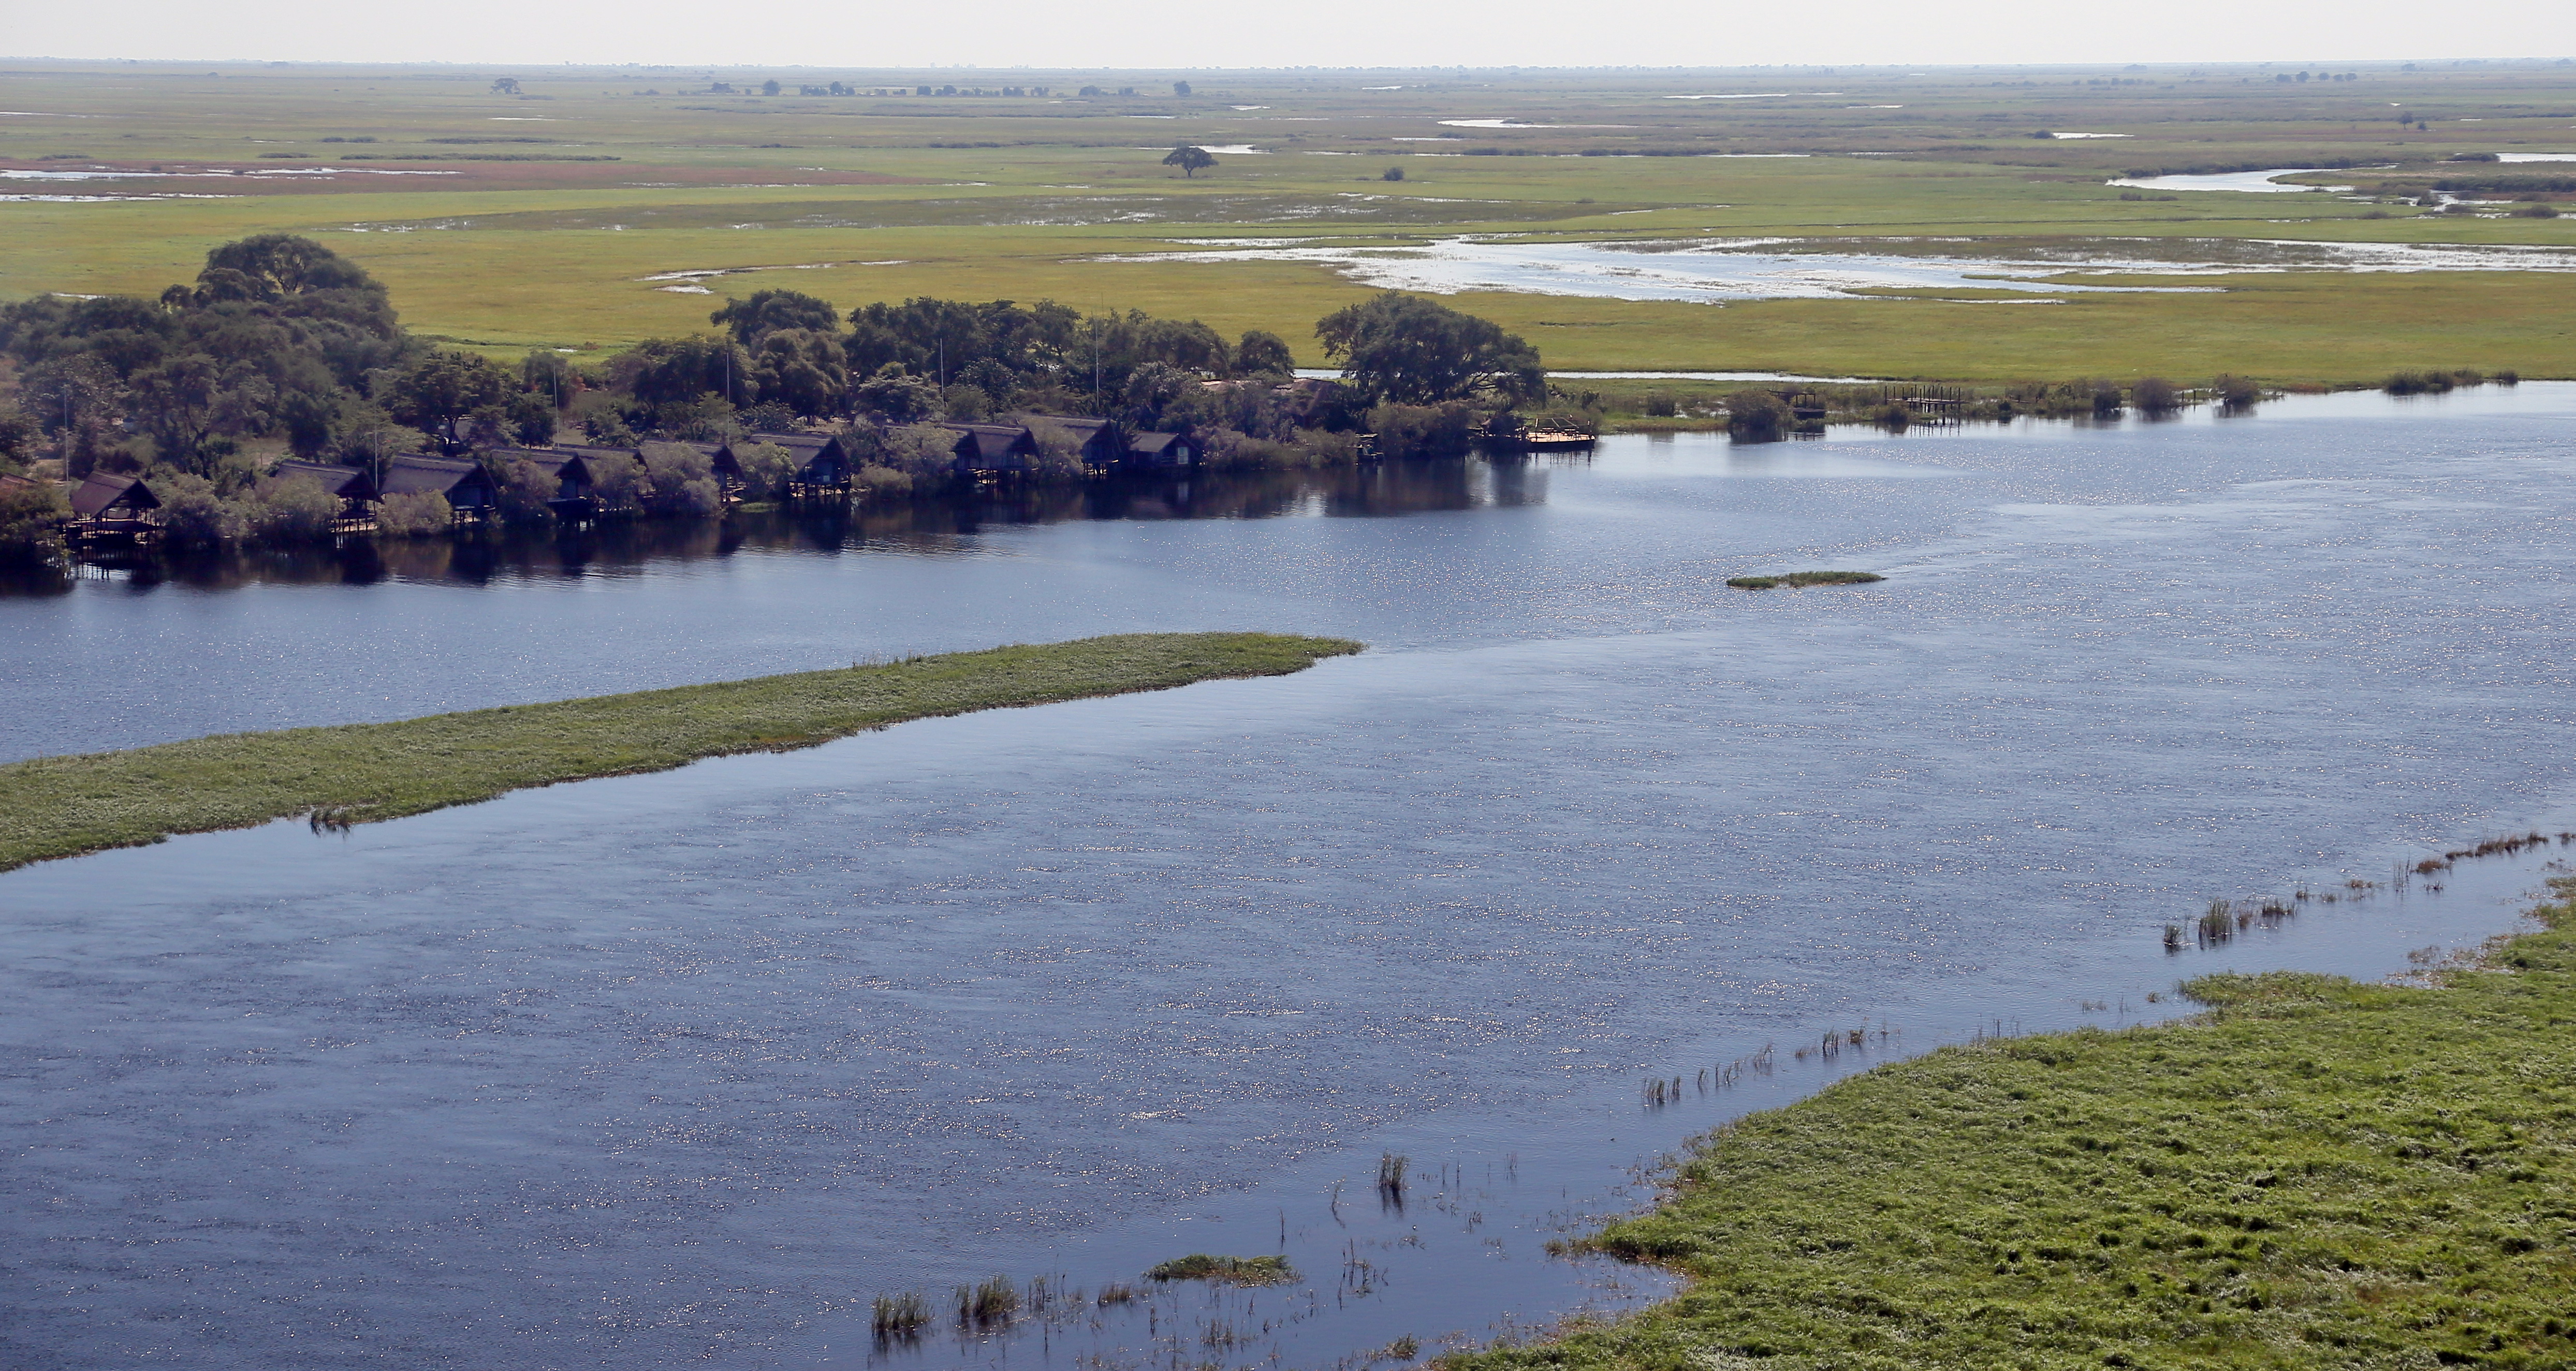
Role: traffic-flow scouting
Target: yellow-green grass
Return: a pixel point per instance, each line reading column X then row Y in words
column 2314, row 1174
column 360, row 773
column 505, row 270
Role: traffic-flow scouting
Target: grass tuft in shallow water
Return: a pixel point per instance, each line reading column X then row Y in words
column 361, row 773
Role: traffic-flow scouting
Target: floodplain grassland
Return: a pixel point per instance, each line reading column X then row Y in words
column 361, row 773
column 2313, row 1174
column 869, row 197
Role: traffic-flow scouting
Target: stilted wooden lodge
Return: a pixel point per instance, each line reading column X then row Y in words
column 113, row 509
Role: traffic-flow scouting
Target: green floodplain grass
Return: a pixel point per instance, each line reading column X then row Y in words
column 360, row 773
column 1018, row 198
column 2313, row 1174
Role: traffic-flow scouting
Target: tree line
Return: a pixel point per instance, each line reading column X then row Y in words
column 282, row 348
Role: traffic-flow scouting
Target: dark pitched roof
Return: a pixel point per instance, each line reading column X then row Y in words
column 1155, row 444
column 1076, row 426
column 992, row 447
column 801, row 446
column 591, row 453
column 347, row 482
column 570, row 469
column 102, row 492
column 440, row 475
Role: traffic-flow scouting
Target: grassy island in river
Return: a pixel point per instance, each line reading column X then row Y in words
column 2315, row 1173
column 359, row 773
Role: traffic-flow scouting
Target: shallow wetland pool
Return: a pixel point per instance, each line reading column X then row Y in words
column 689, row 1067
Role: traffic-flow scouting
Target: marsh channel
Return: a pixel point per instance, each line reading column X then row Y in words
column 688, row 1067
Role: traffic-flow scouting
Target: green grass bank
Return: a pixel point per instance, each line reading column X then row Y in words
column 2314, row 1173
column 360, row 773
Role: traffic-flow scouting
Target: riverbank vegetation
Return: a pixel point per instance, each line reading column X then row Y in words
column 2314, row 1173
column 361, row 773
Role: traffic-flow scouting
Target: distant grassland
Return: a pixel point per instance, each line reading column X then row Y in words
column 2316, row 1174
column 992, row 197
column 360, row 773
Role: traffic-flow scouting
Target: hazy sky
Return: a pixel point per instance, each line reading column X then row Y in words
column 1158, row 34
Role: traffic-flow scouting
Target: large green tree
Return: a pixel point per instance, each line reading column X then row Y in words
column 802, row 369
column 444, row 386
column 1417, row 351
column 769, row 310
column 1191, row 160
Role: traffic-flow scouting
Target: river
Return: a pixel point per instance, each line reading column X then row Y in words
column 688, row 1067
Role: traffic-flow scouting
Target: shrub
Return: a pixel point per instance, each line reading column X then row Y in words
column 1445, row 430
column 925, row 452
column 31, row 515
column 2155, row 395
column 525, row 490
column 1756, row 413
column 616, row 487
column 2535, row 210
column 680, row 479
column 413, row 513
column 766, row 469
column 1327, row 448
column 193, row 515
column 291, row 509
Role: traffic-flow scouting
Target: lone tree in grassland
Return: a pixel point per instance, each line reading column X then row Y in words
column 1189, row 159
column 507, row 85
column 1417, row 351
column 1180, row 88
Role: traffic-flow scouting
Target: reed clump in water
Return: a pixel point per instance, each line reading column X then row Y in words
column 899, row 1316
column 1202, row 1266
column 993, row 1304
column 1800, row 580
column 1390, row 1174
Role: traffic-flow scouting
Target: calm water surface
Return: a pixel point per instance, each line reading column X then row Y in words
column 688, row 1067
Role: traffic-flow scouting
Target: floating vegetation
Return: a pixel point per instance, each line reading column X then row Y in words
column 1799, row 580
column 1201, row 1266
column 1116, row 1292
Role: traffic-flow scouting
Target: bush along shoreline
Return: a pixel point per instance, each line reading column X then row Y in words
column 361, row 773
column 2312, row 1173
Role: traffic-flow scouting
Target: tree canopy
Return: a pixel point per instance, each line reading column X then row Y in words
column 277, row 335
column 1417, row 351
column 768, row 310
column 1191, row 160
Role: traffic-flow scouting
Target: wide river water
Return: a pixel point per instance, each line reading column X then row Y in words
column 686, row 1068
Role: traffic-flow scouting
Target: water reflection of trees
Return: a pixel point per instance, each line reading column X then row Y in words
column 1388, row 490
